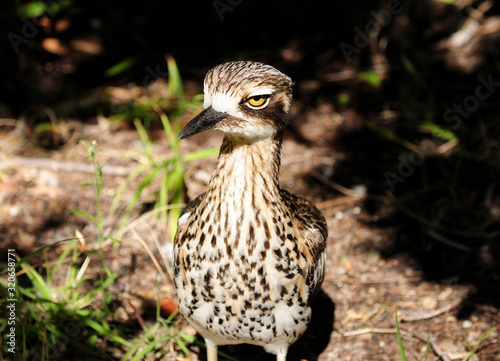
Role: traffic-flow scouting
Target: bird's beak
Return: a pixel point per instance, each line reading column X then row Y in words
column 207, row 119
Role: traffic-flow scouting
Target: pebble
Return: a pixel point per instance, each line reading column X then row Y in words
column 14, row 210
column 429, row 303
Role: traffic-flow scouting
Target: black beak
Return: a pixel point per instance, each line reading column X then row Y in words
column 207, row 119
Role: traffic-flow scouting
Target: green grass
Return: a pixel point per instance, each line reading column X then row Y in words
column 34, row 9
column 473, row 348
column 52, row 316
column 76, row 313
column 169, row 170
column 65, row 302
column 145, row 108
column 400, row 343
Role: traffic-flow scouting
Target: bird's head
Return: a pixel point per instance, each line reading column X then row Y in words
column 243, row 99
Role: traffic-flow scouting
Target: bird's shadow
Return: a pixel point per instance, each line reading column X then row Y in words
column 308, row 347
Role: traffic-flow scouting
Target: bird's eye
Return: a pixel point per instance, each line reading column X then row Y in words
column 258, row 101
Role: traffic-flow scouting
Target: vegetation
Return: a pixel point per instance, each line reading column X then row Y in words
column 79, row 312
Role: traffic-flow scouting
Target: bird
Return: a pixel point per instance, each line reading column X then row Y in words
column 248, row 256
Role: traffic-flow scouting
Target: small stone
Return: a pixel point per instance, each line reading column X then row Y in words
column 451, row 319
column 14, row 210
column 429, row 303
column 445, row 293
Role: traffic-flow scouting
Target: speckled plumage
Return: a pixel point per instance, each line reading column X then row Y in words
column 248, row 256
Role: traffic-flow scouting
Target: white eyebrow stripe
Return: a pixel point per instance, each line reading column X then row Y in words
column 221, row 102
column 262, row 91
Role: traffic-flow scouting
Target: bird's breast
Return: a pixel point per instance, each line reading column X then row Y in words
column 241, row 266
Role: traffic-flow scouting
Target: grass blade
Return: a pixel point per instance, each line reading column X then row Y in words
column 428, row 346
column 400, row 341
column 120, row 67
column 474, row 349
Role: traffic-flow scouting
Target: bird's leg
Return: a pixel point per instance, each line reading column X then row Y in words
column 281, row 356
column 211, row 351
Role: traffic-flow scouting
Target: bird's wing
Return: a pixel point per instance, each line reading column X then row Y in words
column 184, row 233
column 185, row 214
column 312, row 244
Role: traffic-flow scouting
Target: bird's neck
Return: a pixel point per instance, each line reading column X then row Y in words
column 247, row 167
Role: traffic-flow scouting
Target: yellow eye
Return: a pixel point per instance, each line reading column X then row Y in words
column 258, row 101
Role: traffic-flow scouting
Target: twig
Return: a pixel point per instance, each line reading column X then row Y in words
column 458, row 356
column 407, row 279
column 440, row 238
column 356, row 193
column 363, row 331
column 60, row 166
column 151, row 255
column 391, row 136
column 462, row 355
column 431, row 314
column 434, row 346
column 137, row 315
column 336, row 202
